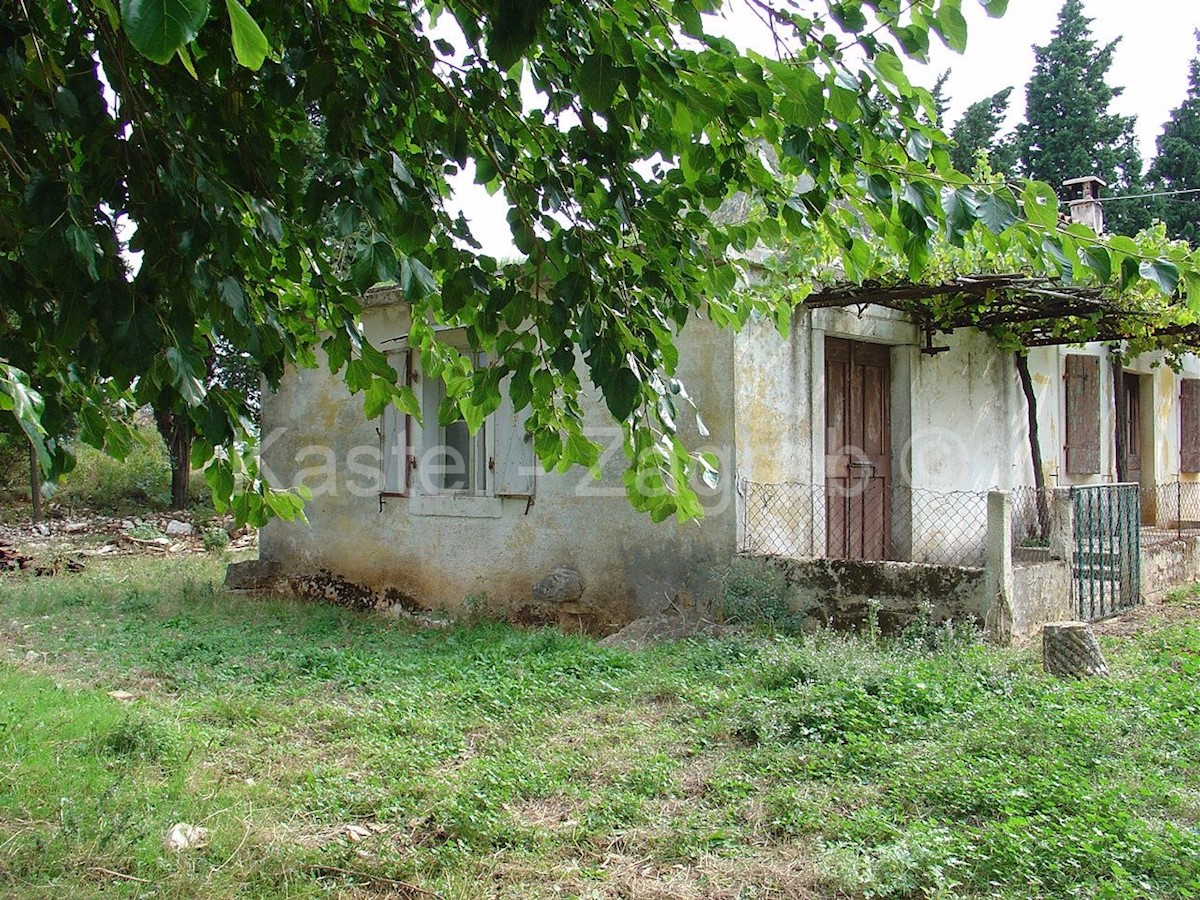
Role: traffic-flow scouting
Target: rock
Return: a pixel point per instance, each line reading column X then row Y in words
column 32, row 656
column 563, row 585
column 251, row 574
column 642, row 633
column 184, row 836
column 175, row 528
column 1070, row 649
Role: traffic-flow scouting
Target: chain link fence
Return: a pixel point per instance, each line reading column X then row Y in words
column 1170, row 512
column 1032, row 511
column 866, row 521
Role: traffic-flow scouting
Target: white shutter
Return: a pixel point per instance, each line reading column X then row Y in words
column 393, row 429
column 513, row 445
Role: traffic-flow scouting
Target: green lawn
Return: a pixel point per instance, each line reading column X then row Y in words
column 487, row 761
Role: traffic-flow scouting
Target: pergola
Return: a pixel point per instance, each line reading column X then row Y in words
column 1034, row 311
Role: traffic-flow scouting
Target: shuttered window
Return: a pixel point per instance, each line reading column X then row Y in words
column 1083, row 414
column 1189, row 425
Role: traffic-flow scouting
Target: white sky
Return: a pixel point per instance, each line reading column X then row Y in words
column 1151, row 63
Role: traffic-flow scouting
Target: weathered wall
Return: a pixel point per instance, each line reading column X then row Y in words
column 1168, row 566
column 1041, row 593
column 839, row 593
column 436, row 551
column 956, row 427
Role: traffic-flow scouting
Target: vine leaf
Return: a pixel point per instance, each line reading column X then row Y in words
column 158, row 28
column 249, row 43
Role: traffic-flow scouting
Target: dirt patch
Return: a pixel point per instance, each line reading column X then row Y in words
column 1153, row 614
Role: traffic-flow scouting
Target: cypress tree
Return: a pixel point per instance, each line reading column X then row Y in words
column 1068, row 131
column 977, row 130
column 1177, row 165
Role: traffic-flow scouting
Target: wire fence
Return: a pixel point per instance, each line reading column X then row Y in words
column 866, row 521
column 1170, row 512
column 949, row 528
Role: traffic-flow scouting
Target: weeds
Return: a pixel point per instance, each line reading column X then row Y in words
column 493, row 762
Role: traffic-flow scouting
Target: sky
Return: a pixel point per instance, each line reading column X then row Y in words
column 1157, row 44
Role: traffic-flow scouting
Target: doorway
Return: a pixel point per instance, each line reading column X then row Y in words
column 858, row 451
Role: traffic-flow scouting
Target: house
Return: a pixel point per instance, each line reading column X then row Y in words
column 861, row 449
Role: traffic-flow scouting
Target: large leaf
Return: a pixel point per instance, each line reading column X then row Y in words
column 997, row 210
column 1041, row 204
column 1161, row 272
column 249, row 43
column 951, row 26
column 158, row 28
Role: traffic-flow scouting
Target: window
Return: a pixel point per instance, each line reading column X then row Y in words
column 1083, row 414
column 496, row 461
column 395, row 437
column 1189, row 425
column 456, row 461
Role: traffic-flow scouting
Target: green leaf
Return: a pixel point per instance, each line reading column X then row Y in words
column 1041, row 204
column 1097, row 259
column 158, row 28
column 597, row 81
column 950, row 25
column 1162, row 273
column 1052, row 248
column 85, row 249
column 375, row 264
column 997, row 210
column 995, row 8
column 249, row 43
column 961, row 211
column 187, row 374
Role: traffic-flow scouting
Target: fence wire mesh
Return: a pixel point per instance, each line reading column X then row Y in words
column 866, row 522
column 1170, row 512
column 1032, row 509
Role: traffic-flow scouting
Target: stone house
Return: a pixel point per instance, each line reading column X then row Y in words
column 863, row 445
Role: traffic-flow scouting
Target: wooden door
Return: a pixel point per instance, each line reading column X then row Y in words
column 1130, row 423
column 858, row 451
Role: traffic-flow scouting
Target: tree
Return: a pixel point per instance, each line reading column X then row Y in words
column 1177, row 164
column 1068, row 131
column 977, row 132
column 150, row 129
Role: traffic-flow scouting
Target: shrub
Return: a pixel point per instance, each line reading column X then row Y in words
column 753, row 593
column 142, row 479
column 215, row 540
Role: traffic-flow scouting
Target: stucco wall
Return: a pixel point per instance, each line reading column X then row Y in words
column 432, row 552
column 1041, row 593
column 1170, row 565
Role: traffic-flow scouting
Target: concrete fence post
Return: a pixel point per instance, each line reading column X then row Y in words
column 998, row 570
column 1062, row 534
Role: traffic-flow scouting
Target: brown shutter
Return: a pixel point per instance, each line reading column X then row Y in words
column 1083, row 414
column 1189, row 425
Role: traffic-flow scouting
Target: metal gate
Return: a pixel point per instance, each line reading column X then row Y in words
column 1107, row 559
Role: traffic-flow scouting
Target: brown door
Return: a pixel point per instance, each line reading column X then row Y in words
column 1130, row 422
column 858, row 452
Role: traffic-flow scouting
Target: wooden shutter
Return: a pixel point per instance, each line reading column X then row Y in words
column 1189, row 425
column 513, row 461
column 1083, row 414
column 394, row 435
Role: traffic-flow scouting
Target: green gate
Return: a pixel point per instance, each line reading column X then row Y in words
column 1107, row 559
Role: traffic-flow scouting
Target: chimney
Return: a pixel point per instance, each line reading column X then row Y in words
column 1083, row 197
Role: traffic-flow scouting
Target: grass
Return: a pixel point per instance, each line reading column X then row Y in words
column 486, row 761
column 142, row 480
